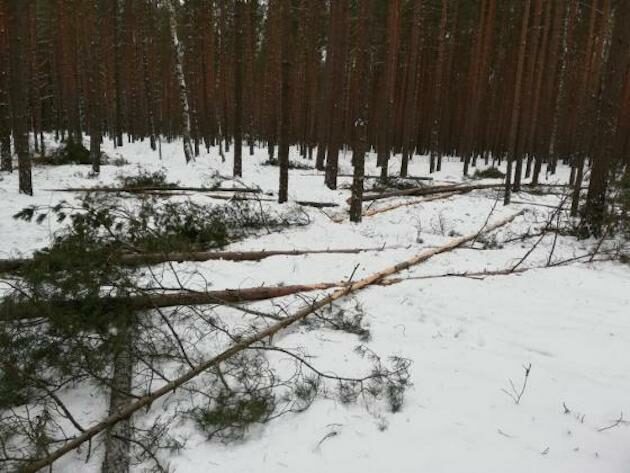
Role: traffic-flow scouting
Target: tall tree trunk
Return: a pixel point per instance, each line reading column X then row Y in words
column 391, row 68
column 118, row 6
column 181, row 80
column 435, row 148
column 337, row 51
column 146, row 74
column 610, row 92
column 362, row 59
column 118, row 437
column 6, row 163
column 283, row 149
column 516, row 105
column 96, row 87
column 238, row 88
column 18, row 26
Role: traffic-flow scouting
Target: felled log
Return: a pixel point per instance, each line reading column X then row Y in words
column 134, row 259
column 10, row 310
column 410, row 178
column 165, row 188
column 372, row 212
column 430, row 191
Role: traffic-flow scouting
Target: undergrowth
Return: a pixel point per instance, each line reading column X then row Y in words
column 145, row 179
column 488, row 173
column 292, row 164
column 392, row 183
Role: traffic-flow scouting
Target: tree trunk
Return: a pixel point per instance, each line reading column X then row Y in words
column 118, row 437
column 361, row 84
column 181, row 80
column 96, row 88
column 238, row 88
column 18, row 26
column 437, row 94
column 609, row 99
column 6, row 162
column 337, row 51
column 516, row 105
column 285, row 119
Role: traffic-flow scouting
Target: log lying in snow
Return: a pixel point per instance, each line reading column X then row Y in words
column 208, row 191
column 447, row 188
column 372, row 212
column 134, row 259
column 409, row 178
column 166, row 188
column 25, row 310
column 154, row 258
column 148, row 399
column 430, row 191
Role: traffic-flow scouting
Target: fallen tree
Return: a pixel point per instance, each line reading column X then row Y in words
column 409, row 178
column 430, row 191
column 134, row 259
column 164, row 188
column 372, row 212
column 10, row 310
column 419, row 191
column 147, row 400
column 166, row 191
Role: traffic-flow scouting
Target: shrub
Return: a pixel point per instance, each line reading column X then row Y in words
column 232, row 414
column 145, row 179
column 70, row 152
column 392, row 183
column 292, row 164
column 488, row 173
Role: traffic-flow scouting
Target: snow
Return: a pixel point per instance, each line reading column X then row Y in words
column 466, row 337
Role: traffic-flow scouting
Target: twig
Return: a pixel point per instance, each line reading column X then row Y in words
column 618, row 422
column 516, row 395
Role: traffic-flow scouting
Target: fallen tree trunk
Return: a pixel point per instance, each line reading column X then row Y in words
column 141, row 189
column 134, row 259
column 430, row 191
column 147, row 400
column 408, row 178
column 448, row 188
column 372, row 212
column 175, row 190
column 25, row 310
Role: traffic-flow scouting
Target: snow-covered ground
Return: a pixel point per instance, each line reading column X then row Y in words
column 466, row 337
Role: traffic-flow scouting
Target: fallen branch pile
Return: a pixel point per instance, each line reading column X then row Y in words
column 246, row 342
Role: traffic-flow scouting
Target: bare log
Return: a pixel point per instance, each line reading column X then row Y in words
column 25, row 310
column 147, row 400
column 133, row 259
column 430, row 191
column 408, row 178
column 372, row 212
column 418, row 191
column 166, row 188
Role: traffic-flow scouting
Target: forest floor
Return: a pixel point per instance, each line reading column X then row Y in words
column 466, row 337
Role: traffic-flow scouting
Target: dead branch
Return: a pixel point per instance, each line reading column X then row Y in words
column 147, row 400
column 515, row 393
column 618, row 422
